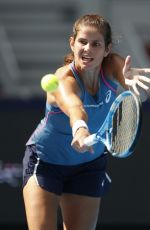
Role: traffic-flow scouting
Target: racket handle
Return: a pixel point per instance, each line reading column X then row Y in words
column 90, row 140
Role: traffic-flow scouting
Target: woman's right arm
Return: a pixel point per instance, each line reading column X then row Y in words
column 67, row 98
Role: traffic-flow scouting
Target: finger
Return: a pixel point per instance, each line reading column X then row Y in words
column 78, row 149
column 145, row 87
column 127, row 64
column 86, row 148
column 128, row 60
column 91, row 150
column 81, row 148
column 135, row 89
column 143, row 78
column 143, row 70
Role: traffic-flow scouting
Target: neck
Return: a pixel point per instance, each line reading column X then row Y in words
column 90, row 80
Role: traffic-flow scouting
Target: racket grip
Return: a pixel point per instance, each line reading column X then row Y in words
column 90, row 140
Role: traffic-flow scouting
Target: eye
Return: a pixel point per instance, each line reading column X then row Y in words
column 83, row 41
column 97, row 43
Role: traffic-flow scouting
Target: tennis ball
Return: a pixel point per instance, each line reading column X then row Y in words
column 49, row 83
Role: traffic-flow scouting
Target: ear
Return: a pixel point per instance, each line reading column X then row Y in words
column 71, row 41
column 107, row 50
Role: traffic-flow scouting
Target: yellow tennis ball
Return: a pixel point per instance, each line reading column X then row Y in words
column 49, row 83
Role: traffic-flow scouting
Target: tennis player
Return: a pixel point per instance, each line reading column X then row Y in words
column 59, row 170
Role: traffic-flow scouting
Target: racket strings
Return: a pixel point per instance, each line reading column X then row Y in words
column 124, row 125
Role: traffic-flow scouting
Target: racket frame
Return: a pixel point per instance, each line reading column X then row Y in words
column 106, row 127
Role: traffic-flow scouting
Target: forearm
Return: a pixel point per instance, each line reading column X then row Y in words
column 68, row 100
column 73, row 107
column 77, row 113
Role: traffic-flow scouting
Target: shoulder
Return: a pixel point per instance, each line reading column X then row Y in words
column 117, row 62
column 67, row 81
column 63, row 71
column 67, row 85
column 65, row 76
column 113, row 65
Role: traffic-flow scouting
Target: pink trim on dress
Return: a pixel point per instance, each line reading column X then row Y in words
column 52, row 112
column 106, row 83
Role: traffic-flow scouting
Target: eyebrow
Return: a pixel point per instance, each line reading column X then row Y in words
column 96, row 40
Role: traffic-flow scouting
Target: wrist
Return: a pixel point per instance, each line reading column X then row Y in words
column 78, row 124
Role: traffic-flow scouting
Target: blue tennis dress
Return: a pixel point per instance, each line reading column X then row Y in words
column 53, row 135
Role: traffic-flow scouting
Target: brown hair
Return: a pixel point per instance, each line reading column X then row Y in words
column 91, row 20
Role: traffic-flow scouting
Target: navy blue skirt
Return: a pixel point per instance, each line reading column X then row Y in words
column 88, row 179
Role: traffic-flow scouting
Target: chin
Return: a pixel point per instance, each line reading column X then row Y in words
column 87, row 66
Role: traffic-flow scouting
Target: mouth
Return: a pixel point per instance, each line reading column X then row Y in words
column 87, row 58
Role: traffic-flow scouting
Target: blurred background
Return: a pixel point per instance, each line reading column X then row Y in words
column 34, row 38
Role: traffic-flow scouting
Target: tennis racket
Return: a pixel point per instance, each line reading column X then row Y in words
column 121, row 129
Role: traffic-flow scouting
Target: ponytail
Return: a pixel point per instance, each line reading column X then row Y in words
column 68, row 58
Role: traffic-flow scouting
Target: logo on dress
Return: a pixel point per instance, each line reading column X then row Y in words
column 108, row 96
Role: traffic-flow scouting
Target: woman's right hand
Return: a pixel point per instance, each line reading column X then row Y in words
column 78, row 141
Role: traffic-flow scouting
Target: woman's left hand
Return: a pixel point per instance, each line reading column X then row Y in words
column 135, row 79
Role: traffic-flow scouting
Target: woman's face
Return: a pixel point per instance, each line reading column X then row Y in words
column 88, row 48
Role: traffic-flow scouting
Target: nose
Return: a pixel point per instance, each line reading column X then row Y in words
column 87, row 46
